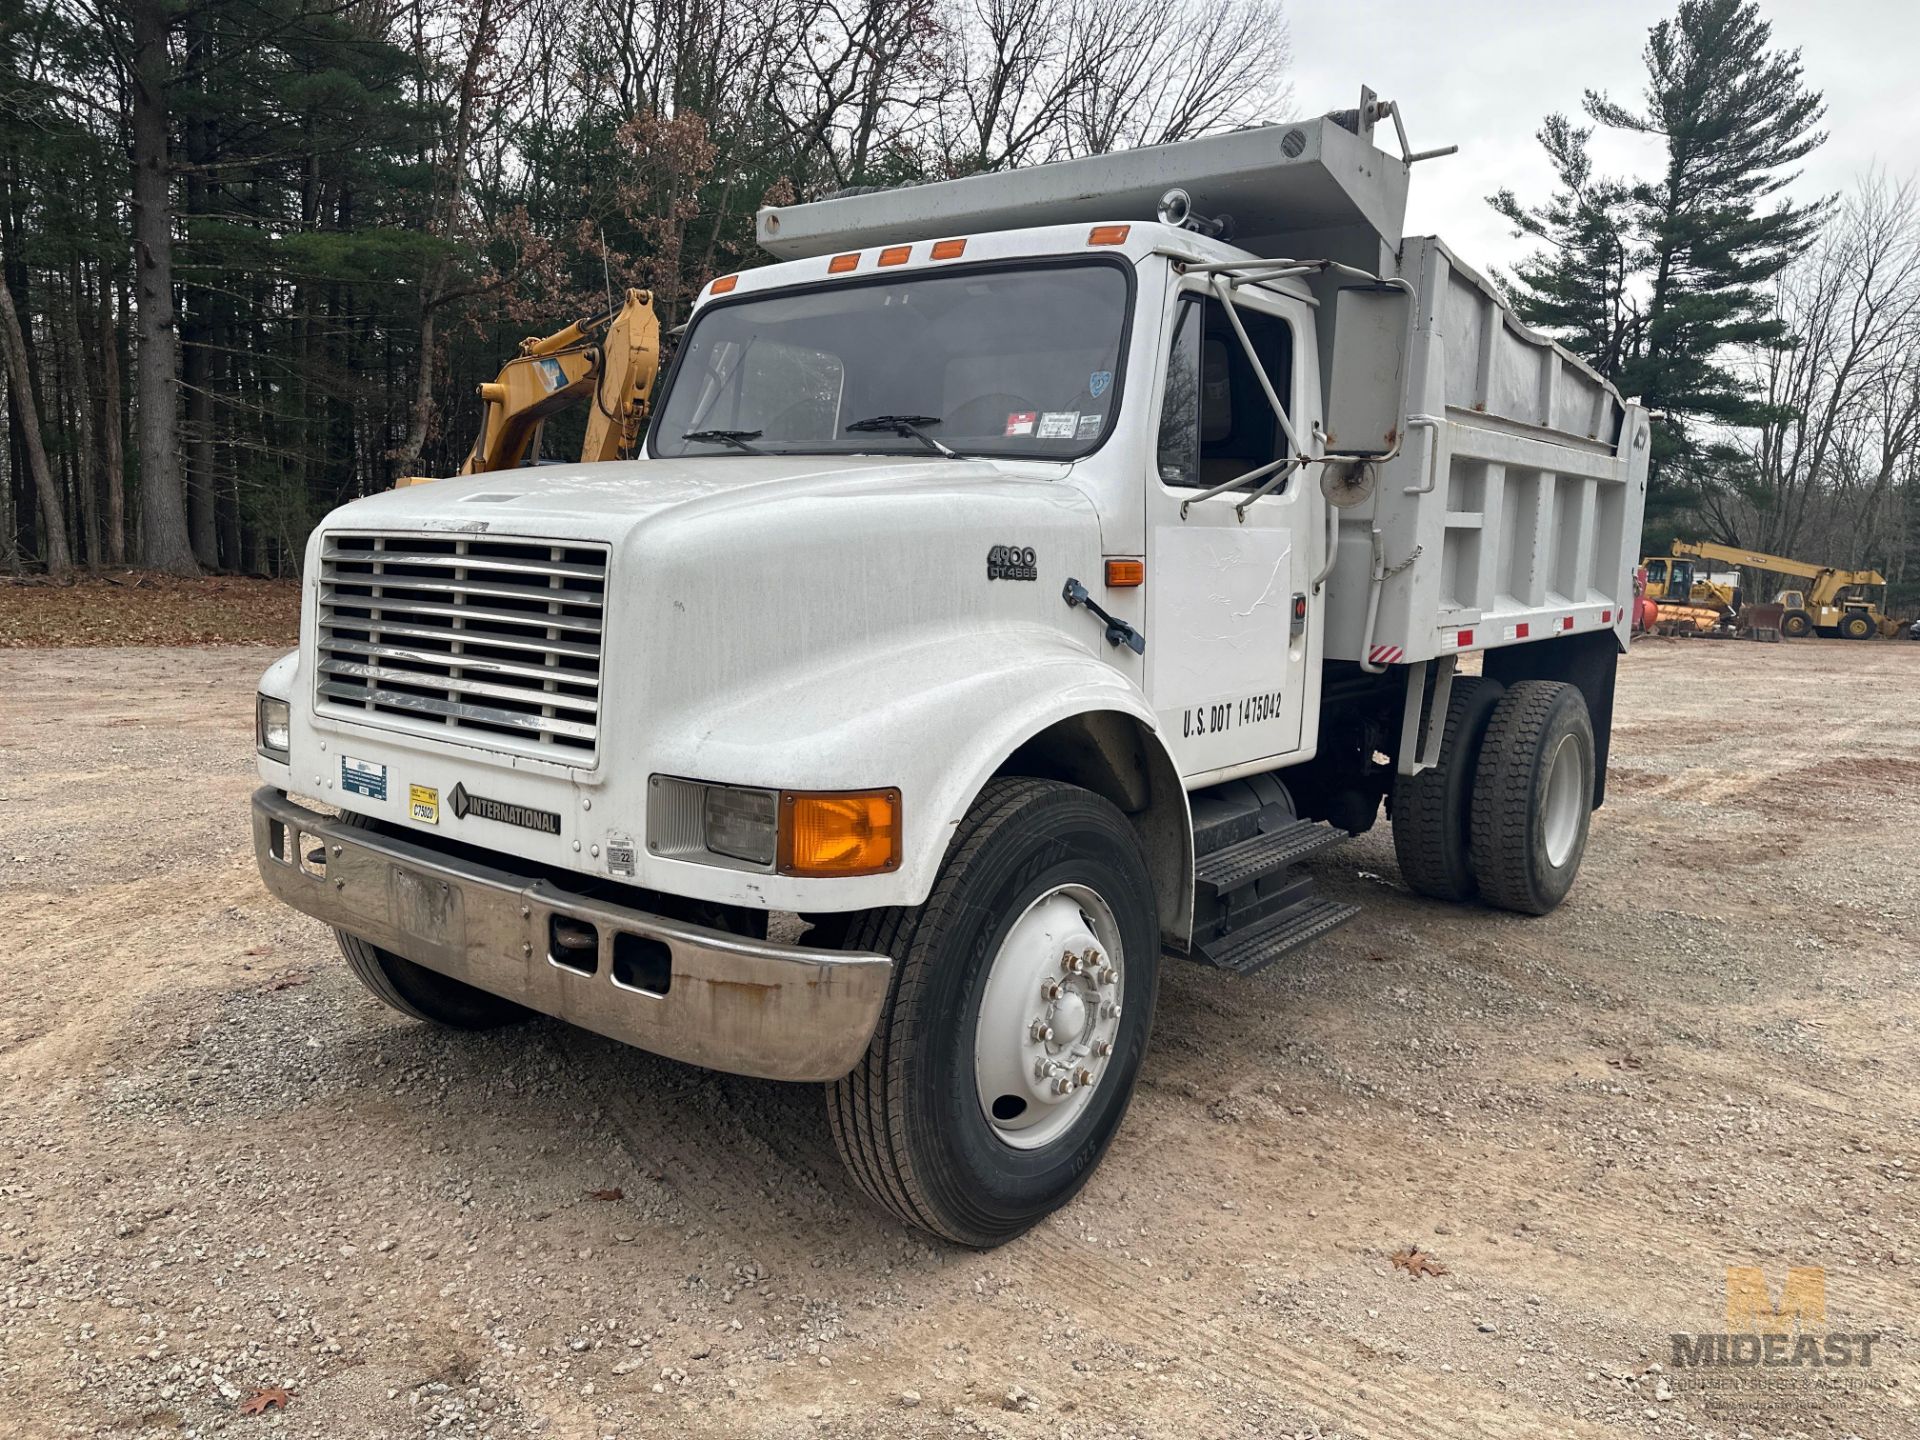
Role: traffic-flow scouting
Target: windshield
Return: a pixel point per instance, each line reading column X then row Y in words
column 1019, row 362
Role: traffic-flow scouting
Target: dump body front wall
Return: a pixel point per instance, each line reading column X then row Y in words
column 1512, row 513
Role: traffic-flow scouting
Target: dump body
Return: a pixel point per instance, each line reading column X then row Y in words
column 1513, row 512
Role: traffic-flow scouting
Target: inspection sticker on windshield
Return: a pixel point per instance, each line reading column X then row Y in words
column 363, row 777
column 1058, row 424
column 1020, row 422
column 1089, row 426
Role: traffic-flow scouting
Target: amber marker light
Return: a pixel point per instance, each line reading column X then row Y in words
column 724, row 284
column 839, row 832
column 949, row 249
column 840, row 264
column 1109, row 234
column 896, row 254
column 1126, row 574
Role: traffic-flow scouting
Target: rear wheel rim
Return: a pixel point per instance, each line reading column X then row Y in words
column 1049, row 1017
column 1563, row 807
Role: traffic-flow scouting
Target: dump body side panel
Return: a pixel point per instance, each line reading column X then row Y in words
column 1512, row 513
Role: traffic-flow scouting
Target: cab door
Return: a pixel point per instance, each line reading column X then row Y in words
column 1227, row 602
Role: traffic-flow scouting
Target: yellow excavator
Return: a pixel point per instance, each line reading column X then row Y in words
column 1831, row 602
column 612, row 358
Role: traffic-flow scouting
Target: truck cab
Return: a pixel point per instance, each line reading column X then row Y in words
column 995, row 609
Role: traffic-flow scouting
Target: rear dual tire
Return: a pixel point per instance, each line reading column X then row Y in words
column 1533, row 797
column 1432, row 811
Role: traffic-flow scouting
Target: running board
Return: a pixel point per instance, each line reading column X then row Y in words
column 1260, row 857
column 1253, row 903
column 1258, row 945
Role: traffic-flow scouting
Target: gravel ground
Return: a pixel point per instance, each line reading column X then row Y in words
column 225, row 1168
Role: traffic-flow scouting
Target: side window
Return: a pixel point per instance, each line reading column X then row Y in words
column 1215, row 422
column 1180, row 406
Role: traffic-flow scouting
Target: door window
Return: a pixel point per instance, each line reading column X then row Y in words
column 1215, row 422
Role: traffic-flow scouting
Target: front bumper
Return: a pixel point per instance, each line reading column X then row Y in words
column 729, row 1002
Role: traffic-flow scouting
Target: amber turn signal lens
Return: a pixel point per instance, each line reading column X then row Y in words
column 949, row 249
column 896, row 254
column 724, row 284
column 840, row 264
column 1125, row 574
column 1109, row 234
column 847, row 832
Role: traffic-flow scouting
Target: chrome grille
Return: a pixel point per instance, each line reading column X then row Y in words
column 496, row 639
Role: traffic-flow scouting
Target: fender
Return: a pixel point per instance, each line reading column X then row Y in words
column 938, row 720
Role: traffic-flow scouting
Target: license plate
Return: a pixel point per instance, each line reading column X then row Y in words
column 424, row 908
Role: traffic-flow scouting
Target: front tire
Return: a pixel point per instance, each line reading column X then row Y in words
column 1533, row 797
column 1022, row 999
column 1795, row 625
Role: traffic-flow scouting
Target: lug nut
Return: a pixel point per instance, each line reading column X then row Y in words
column 1041, row 1031
column 1108, row 974
column 1083, row 1078
column 1110, row 1010
column 1103, row 1048
column 1070, row 963
column 1050, row 989
column 1061, row 1085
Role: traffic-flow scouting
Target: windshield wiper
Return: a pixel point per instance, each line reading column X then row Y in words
column 736, row 438
column 907, row 427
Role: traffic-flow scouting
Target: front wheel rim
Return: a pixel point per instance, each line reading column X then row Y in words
column 1564, row 799
column 1049, row 1020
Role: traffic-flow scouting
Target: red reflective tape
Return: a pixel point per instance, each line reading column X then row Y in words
column 1465, row 638
column 1606, row 617
column 1566, row 622
column 1520, row 631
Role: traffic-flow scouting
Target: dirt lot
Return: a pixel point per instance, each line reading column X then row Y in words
column 224, row 1167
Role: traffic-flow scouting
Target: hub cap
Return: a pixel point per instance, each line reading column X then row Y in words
column 1565, row 798
column 1050, row 1016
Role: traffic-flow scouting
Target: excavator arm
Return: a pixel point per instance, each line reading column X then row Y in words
column 611, row 359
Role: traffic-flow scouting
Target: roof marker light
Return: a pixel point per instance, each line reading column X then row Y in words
column 949, row 249
column 896, row 254
column 1109, row 234
column 724, row 284
column 840, row 264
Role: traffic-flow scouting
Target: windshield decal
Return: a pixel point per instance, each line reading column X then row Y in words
column 1089, row 426
column 1058, row 425
column 1098, row 382
column 1021, row 422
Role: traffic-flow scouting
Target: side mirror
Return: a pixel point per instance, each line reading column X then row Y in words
column 1366, row 403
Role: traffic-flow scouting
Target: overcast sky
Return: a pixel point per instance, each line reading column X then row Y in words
column 1481, row 74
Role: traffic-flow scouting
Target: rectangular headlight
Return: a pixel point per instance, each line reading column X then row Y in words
column 272, row 725
column 740, row 823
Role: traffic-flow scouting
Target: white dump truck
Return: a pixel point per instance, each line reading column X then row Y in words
column 1024, row 575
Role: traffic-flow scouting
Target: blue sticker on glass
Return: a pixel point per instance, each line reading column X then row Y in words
column 1098, row 382
column 363, row 777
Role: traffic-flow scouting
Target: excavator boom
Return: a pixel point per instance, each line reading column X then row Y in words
column 610, row 358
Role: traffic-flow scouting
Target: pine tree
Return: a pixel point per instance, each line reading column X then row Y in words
column 1735, row 115
column 1578, row 286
